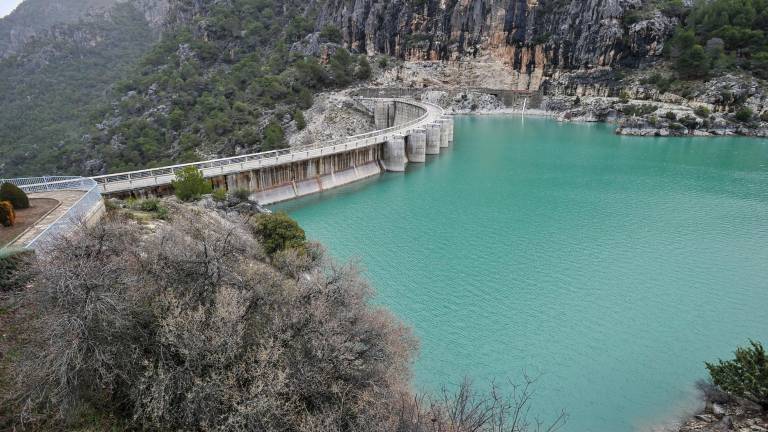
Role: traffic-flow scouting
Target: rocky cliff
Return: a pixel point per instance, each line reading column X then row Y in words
column 38, row 19
column 529, row 41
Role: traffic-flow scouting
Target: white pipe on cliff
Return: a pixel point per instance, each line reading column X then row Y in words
column 525, row 102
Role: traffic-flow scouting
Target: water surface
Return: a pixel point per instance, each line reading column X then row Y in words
column 611, row 266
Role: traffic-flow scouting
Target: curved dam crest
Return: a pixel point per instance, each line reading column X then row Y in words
column 405, row 132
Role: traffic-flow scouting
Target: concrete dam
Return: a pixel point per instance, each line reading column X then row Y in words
column 406, row 131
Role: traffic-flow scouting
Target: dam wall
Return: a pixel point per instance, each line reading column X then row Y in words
column 405, row 132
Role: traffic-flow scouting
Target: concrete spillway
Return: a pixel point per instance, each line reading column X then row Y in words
column 405, row 132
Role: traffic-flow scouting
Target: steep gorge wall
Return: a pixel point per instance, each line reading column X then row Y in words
column 534, row 40
column 38, row 20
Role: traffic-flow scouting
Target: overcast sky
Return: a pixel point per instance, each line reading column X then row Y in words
column 7, row 6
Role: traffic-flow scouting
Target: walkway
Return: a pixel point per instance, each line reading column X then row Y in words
column 67, row 199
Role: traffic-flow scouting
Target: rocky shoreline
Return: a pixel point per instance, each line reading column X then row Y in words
column 725, row 416
column 632, row 117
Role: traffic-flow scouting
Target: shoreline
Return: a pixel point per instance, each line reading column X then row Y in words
column 619, row 123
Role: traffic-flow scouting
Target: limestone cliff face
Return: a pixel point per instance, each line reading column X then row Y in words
column 535, row 40
column 39, row 19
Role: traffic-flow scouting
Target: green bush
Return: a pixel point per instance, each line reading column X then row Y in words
column 274, row 137
column 677, row 127
column 190, row 184
column 670, row 115
column 745, row 376
column 639, row 110
column 241, row 193
column 689, row 122
column 693, row 63
column 301, row 122
column 330, row 33
column 278, row 232
column 7, row 215
column 623, row 96
column 690, row 59
column 149, row 205
column 162, row 213
column 701, row 111
column 340, row 64
column 744, row 114
column 219, row 195
column 363, row 68
column 17, row 197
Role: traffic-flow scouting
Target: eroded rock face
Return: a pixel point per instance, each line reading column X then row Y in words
column 48, row 18
column 534, row 39
column 646, row 38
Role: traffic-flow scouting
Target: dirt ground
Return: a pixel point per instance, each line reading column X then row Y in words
column 25, row 218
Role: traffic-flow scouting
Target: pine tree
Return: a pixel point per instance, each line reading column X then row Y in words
column 745, row 376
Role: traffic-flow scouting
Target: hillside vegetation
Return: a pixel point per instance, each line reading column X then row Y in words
column 720, row 36
column 52, row 88
column 33, row 18
column 101, row 95
column 222, row 83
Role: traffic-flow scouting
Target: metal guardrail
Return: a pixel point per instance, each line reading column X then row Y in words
column 209, row 168
column 74, row 214
column 42, row 184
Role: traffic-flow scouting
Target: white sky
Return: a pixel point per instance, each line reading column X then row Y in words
column 7, row 6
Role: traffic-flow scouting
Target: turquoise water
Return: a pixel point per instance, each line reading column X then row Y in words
column 611, row 266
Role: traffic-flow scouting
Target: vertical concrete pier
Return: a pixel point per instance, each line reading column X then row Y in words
column 450, row 130
column 416, row 145
column 394, row 154
column 433, row 139
column 445, row 129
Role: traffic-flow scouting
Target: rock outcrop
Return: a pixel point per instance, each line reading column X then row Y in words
column 534, row 40
column 39, row 19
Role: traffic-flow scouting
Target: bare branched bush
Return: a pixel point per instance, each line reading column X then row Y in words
column 85, row 337
column 466, row 409
column 189, row 327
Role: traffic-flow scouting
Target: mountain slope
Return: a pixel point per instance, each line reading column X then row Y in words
column 33, row 17
column 52, row 86
column 222, row 82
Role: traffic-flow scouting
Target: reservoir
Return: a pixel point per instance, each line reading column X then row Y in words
column 611, row 267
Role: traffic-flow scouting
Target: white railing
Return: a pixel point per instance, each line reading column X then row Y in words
column 164, row 175
column 46, row 183
column 73, row 215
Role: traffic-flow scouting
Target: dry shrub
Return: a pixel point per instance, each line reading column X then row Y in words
column 84, row 341
column 188, row 327
column 7, row 214
column 465, row 409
